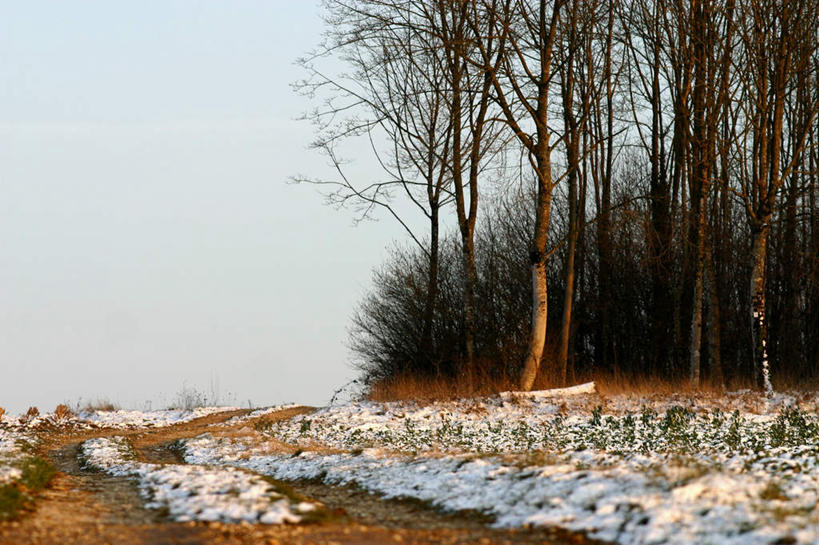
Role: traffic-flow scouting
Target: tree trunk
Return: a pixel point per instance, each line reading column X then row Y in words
column 715, row 326
column 759, row 250
column 788, row 341
column 427, row 356
column 568, row 301
column 470, row 278
column 606, row 157
column 572, row 137
column 537, row 337
column 540, row 300
column 696, row 304
column 813, row 206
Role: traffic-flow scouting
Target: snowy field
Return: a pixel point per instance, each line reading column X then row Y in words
column 739, row 469
column 193, row 492
column 118, row 419
column 11, row 453
column 258, row 413
column 147, row 419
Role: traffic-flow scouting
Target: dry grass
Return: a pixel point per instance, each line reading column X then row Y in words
column 31, row 414
column 795, row 383
column 618, row 384
column 62, row 414
column 408, row 387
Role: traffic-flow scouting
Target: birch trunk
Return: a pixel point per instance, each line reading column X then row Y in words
column 540, row 301
column 537, row 337
column 759, row 251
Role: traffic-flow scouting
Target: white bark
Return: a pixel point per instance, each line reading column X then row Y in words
column 760, row 327
column 537, row 339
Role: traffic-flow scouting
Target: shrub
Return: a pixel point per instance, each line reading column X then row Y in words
column 31, row 414
column 62, row 414
column 387, row 333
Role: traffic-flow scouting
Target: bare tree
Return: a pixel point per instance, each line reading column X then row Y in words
column 473, row 135
column 394, row 98
column 522, row 82
column 580, row 91
column 777, row 40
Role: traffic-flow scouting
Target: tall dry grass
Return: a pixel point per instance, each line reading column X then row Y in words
column 408, row 387
column 413, row 388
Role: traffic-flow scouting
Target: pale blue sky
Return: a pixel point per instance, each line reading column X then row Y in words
column 147, row 235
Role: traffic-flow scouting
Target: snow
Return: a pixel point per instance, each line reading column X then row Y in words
column 194, row 492
column 9, row 474
column 258, row 413
column 733, row 470
column 8, row 442
column 147, row 419
column 11, row 454
column 119, row 419
column 587, row 388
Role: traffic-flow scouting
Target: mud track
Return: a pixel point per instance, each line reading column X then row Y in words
column 84, row 507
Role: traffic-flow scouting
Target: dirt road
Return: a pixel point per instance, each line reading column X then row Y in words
column 84, row 507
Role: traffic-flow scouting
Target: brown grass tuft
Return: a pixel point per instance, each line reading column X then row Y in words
column 610, row 384
column 62, row 413
column 31, row 414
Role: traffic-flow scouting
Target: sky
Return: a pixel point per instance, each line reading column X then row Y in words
column 149, row 239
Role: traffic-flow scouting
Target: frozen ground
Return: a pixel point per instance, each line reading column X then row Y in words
column 194, row 492
column 119, row 419
column 258, row 413
column 733, row 470
column 147, row 419
column 11, row 453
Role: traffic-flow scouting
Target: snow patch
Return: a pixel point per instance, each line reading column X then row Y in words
column 194, row 492
column 258, row 413
column 587, row 388
column 147, row 419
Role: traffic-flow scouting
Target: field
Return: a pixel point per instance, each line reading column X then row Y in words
column 560, row 466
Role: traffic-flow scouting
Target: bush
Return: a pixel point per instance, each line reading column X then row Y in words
column 387, row 327
column 31, row 414
column 62, row 413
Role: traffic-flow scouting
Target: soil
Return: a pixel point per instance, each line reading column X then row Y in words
column 82, row 507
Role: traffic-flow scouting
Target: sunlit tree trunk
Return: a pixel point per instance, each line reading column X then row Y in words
column 540, row 299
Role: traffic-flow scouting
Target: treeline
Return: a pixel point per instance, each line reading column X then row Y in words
column 647, row 171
